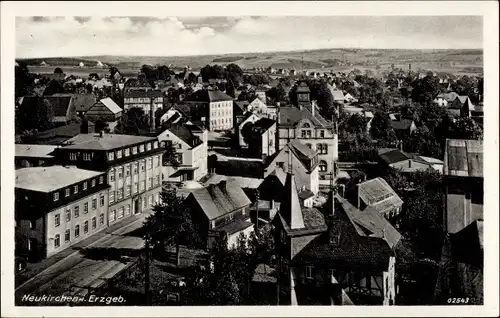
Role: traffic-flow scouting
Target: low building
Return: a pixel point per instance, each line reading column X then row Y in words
column 461, row 106
column 328, row 258
column 403, row 128
column 264, row 140
column 81, row 102
column 378, row 194
column 56, row 207
column 62, row 107
column 443, row 100
column 408, row 162
column 191, row 152
column 105, row 110
column 221, row 209
column 33, row 155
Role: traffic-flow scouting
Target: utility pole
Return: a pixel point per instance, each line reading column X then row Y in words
column 257, row 210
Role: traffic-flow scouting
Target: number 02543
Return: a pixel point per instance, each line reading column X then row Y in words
column 458, row 300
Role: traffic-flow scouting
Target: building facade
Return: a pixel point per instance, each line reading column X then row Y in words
column 191, row 149
column 57, row 207
column 212, row 107
column 33, row 155
column 148, row 100
column 132, row 165
column 305, row 124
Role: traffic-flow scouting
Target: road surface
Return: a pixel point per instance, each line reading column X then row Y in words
column 81, row 270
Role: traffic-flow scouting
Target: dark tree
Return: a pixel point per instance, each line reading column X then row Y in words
column 54, row 87
column 206, row 73
column 94, row 76
column 58, row 70
column 465, row 86
column 171, row 224
column 423, row 142
column 467, row 128
column 425, row 90
column 23, row 81
column 356, row 124
column 133, row 122
column 234, row 74
column 381, row 128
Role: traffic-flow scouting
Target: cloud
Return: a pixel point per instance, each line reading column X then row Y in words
column 78, row 36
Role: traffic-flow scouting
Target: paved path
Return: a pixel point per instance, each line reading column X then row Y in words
column 76, row 271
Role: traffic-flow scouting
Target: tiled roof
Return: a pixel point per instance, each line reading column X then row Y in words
column 263, row 124
column 463, row 158
column 81, row 102
column 106, row 142
column 142, row 93
column 63, row 132
column 59, row 104
column 290, row 116
column 234, row 227
column 303, row 88
column 403, row 124
column 342, row 247
column 305, row 194
column 219, row 200
column 47, row 179
column 391, row 156
column 111, row 105
column 273, row 185
column 185, row 135
column 208, row 95
column 370, row 223
column 34, row 151
column 302, row 149
column 378, row 194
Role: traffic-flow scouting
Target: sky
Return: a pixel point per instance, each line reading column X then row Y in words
column 178, row 36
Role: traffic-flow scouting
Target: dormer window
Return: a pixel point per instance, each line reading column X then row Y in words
column 87, row 156
column 118, row 154
column 335, row 238
column 155, row 145
column 111, row 156
column 148, row 146
column 73, row 156
column 127, row 152
column 141, row 148
column 134, row 150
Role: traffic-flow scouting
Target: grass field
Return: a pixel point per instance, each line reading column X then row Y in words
column 454, row 61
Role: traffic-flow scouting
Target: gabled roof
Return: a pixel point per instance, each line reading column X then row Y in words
column 341, row 246
column 403, row 124
column 221, row 199
column 463, row 158
column 370, row 223
column 81, row 102
column 393, row 155
column 460, row 101
column 184, row 134
column 59, row 104
column 273, row 185
column 302, row 149
column 111, row 105
column 207, row 96
column 290, row 116
column 106, row 142
column 47, row 179
column 467, row 245
column 303, row 88
column 263, row 124
column 378, row 194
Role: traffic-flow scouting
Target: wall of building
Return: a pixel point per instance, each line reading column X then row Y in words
column 269, row 141
column 390, row 283
column 463, row 203
column 53, row 230
column 251, row 119
column 220, row 115
column 138, row 181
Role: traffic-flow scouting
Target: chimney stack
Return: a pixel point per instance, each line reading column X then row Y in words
column 223, row 185
column 313, row 107
column 101, row 133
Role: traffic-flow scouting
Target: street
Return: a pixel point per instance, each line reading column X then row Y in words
column 88, row 267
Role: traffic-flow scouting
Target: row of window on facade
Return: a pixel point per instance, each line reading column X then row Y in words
column 221, row 121
column 134, row 166
column 76, row 210
column 219, row 105
column 76, row 187
column 220, row 113
column 134, row 150
column 138, row 187
column 143, row 100
column 323, row 166
column 322, row 149
column 67, row 233
column 307, row 134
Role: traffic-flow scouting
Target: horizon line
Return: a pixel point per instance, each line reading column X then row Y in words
column 261, row 52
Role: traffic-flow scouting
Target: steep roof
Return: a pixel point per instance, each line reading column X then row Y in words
column 370, row 223
column 34, row 151
column 341, row 246
column 463, row 158
column 467, row 245
column 59, row 104
column 111, row 105
column 106, row 142
column 273, row 185
column 81, row 102
column 263, row 124
column 303, row 88
column 302, row 149
column 184, row 134
column 290, row 208
column 290, row 116
column 207, row 96
column 47, row 179
column 221, row 199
